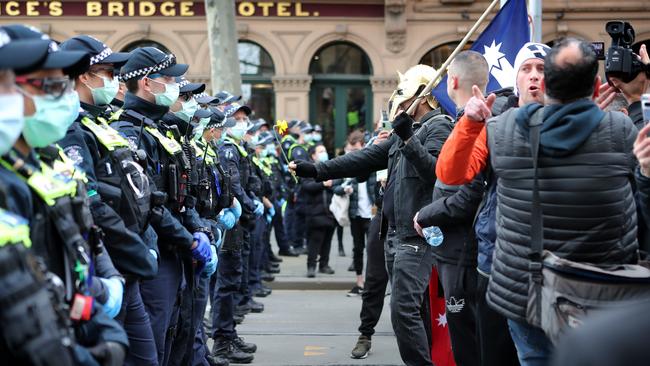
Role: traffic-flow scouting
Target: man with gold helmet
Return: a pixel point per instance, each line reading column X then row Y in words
column 410, row 155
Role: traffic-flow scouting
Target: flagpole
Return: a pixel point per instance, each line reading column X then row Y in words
column 459, row 48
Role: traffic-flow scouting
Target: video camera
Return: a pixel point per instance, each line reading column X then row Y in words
column 621, row 62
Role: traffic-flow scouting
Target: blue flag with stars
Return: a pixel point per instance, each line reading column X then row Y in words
column 499, row 44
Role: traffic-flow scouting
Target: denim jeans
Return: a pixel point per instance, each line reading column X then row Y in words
column 409, row 263
column 533, row 346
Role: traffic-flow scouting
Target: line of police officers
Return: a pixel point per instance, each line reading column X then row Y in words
column 116, row 206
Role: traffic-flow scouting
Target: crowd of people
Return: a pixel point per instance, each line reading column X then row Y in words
column 130, row 199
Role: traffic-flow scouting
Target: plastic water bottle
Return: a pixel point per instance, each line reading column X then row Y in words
column 433, row 235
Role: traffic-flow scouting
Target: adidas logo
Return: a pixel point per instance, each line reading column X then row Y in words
column 455, row 306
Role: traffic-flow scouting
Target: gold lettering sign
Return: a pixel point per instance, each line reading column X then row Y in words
column 271, row 8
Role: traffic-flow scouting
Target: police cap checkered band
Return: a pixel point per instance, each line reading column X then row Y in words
column 101, row 56
column 170, row 60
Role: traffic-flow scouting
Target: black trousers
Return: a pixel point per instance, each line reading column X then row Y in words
column 459, row 285
column 359, row 228
column 376, row 280
column 496, row 346
column 319, row 243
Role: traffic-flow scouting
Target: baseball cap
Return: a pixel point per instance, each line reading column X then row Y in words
column 187, row 87
column 150, row 60
column 234, row 107
column 32, row 52
column 98, row 51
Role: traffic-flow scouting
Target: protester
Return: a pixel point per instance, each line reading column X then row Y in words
column 320, row 220
column 410, row 156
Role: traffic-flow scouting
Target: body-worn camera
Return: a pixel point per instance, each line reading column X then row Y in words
column 621, row 62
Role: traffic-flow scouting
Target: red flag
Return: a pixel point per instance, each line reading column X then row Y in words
column 441, row 354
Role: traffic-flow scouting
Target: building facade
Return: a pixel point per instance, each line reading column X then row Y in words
column 332, row 62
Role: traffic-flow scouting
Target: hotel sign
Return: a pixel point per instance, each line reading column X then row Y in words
column 177, row 8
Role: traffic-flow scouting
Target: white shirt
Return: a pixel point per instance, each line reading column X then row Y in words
column 364, row 207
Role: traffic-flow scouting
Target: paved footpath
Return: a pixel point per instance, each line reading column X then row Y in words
column 312, row 321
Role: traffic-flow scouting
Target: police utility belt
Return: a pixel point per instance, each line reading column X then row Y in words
column 122, row 181
column 67, row 208
column 213, row 192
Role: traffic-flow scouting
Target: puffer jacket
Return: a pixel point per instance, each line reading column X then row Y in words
column 317, row 200
column 587, row 200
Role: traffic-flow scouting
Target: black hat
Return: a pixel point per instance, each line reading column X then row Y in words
column 257, row 124
column 187, row 87
column 150, row 60
column 32, row 52
column 219, row 120
column 234, row 107
column 204, row 98
column 293, row 123
column 203, row 113
column 264, row 138
column 226, row 97
column 72, row 62
column 98, row 51
column 306, row 127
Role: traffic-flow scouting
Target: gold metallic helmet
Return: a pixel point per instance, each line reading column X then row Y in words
column 409, row 83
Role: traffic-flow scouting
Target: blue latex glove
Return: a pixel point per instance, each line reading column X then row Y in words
column 202, row 251
column 272, row 211
column 153, row 253
column 218, row 237
column 115, row 294
column 269, row 218
column 211, row 265
column 227, row 218
column 236, row 209
column 259, row 208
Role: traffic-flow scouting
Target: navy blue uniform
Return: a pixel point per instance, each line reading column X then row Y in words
column 159, row 294
column 131, row 253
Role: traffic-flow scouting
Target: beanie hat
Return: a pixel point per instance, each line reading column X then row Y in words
column 528, row 51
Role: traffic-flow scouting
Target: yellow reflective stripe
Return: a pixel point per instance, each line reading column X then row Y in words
column 257, row 162
column 200, row 153
column 115, row 116
column 13, row 229
column 106, row 135
column 170, row 145
column 48, row 184
column 242, row 151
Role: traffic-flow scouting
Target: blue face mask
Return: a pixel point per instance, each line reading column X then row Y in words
column 188, row 109
column 317, row 137
column 11, row 120
column 322, row 156
column 239, row 130
column 52, row 118
column 169, row 96
column 198, row 130
column 270, row 150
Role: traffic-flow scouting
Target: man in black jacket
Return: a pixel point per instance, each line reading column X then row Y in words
column 453, row 210
column 410, row 156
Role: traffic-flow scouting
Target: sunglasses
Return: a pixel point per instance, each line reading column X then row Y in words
column 55, row 87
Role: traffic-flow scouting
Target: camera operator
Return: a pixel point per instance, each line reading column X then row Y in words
column 633, row 90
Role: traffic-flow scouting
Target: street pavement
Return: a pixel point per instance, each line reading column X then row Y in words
column 312, row 321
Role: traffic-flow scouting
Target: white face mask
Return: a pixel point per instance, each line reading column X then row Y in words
column 169, row 96
column 11, row 120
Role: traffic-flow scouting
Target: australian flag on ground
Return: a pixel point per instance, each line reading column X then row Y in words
column 499, row 44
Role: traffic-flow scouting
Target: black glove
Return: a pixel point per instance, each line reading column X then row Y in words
column 403, row 126
column 108, row 353
column 306, row 169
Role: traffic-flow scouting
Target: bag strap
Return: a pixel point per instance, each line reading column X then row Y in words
column 536, row 219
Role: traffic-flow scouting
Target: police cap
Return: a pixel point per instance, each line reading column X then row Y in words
column 72, row 62
column 150, row 60
column 234, row 107
column 98, row 51
column 226, row 97
column 187, row 87
column 32, row 52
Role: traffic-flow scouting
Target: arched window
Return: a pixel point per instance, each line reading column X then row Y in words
column 144, row 43
column 256, row 68
column 341, row 97
column 437, row 56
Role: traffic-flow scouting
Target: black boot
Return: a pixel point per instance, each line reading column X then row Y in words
column 274, row 258
column 217, row 361
column 244, row 346
column 225, row 348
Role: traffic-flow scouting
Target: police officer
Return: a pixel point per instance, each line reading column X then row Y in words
column 149, row 76
column 178, row 124
column 56, row 205
column 233, row 157
column 101, row 152
column 218, row 207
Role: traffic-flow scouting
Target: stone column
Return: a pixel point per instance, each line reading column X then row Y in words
column 382, row 89
column 291, row 96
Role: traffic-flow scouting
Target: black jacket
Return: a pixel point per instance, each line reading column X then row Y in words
column 453, row 210
column 317, row 200
column 412, row 167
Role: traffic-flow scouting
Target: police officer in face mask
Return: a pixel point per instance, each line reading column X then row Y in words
column 62, row 231
column 150, row 75
column 112, row 170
